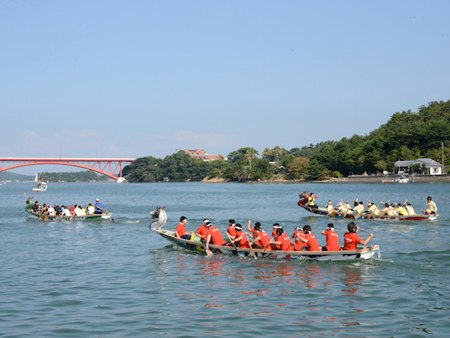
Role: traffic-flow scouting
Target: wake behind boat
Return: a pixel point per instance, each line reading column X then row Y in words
column 303, row 203
column 159, row 219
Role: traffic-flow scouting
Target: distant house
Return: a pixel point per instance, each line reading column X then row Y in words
column 432, row 167
column 200, row 154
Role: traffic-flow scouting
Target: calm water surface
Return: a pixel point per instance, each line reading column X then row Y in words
column 118, row 279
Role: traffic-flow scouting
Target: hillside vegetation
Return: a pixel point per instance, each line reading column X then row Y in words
column 406, row 136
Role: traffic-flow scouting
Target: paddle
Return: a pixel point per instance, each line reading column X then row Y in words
column 368, row 238
column 232, row 242
column 367, row 232
column 251, row 249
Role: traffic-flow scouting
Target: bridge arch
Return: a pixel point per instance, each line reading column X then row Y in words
column 100, row 166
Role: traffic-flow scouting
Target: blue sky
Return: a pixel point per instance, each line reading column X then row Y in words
column 139, row 78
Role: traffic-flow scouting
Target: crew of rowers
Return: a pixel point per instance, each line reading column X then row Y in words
column 48, row 210
column 388, row 209
column 257, row 238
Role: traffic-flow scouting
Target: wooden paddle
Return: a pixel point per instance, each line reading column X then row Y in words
column 362, row 230
column 234, row 245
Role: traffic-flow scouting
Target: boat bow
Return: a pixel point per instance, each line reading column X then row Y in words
column 159, row 219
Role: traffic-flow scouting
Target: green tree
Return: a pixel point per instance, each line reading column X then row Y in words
column 298, row 168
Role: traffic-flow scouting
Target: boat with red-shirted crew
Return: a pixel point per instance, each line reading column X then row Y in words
column 159, row 219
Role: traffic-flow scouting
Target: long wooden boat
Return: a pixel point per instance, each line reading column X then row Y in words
column 324, row 212
column 88, row 218
column 159, row 219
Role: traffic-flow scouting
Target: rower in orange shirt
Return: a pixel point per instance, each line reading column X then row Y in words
column 299, row 244
column 213, row 235
column 283, row 241
column 351, row 239
column 231, row 231
column 202, row 230
column 311, row 240
column 241, row 238
column 180, row 230
column 261, row 239
column 332, row 239
column 274, row 230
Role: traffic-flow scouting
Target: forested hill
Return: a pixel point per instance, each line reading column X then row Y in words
column 406, row 136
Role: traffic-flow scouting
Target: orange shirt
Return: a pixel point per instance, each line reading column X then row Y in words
column 312, row 242
column 264, row 239
column 231, row 231
column 285, row 243
column 243, row 242
column 332, row 240
column 216, row 236
column 299, row 244
column 202, row 231
column 351, row 241
column 181, row 229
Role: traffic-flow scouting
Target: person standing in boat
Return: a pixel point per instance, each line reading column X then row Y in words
column 332, row 239
column 351, row 239
column 311, row 201
column 180, row 230
column 431, row 208
column 99, row 207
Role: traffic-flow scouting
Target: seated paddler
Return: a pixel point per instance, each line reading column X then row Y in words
column 180, row 230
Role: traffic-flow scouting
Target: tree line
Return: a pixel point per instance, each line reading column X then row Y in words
column 406, row 136
column 82, row 176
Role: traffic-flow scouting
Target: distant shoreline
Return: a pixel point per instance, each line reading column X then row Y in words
column 378, row 179
column 351, row 179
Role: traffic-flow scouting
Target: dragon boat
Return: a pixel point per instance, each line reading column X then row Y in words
column 303, row 199
column 159, row 219
column 88, row 218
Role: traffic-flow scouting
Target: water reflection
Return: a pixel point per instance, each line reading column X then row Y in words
column 351, row 279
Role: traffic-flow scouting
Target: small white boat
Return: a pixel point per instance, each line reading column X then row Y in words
column 40, row 186
column 403, row 179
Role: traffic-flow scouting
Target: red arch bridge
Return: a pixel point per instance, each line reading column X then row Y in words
column 111, row 167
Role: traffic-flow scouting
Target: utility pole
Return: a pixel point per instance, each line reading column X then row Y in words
column 443, row 163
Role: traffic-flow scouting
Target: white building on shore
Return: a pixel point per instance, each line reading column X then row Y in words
column 426, row 166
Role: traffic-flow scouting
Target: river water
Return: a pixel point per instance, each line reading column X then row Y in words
column 118, row 279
